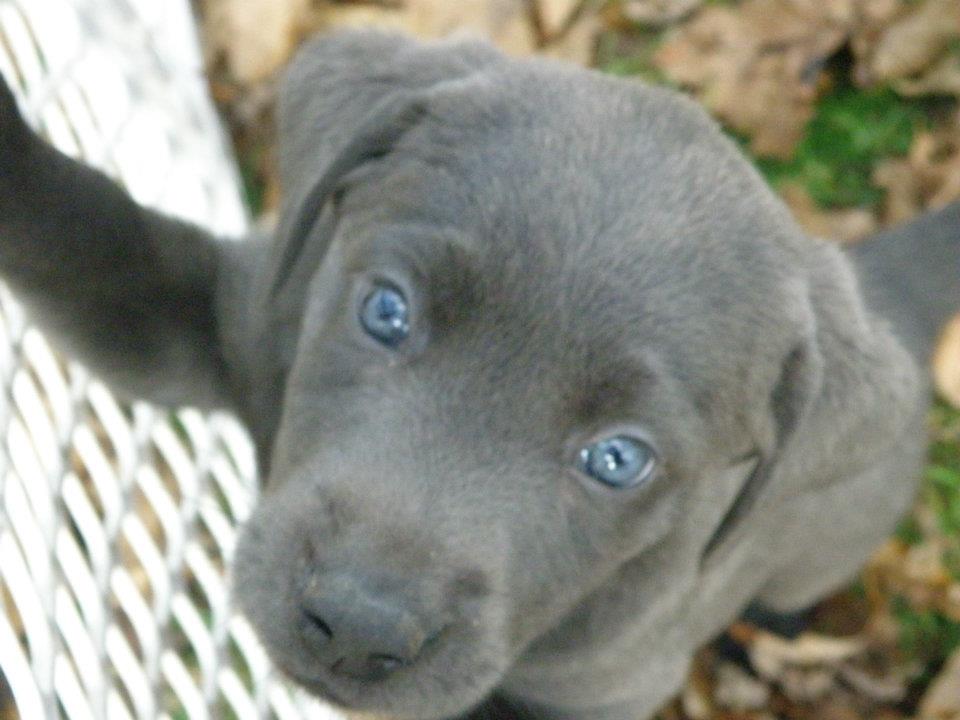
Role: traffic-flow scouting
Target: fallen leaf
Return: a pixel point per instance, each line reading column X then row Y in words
column 890, row 688
column 771, row 654
column 929, row 177
column 946, row 363
column 914, row 42
column 256, row 36
column 805, row 668
column 942, row 698
column 656, row 13
column 874, row 17
column 846, row 225
column 916, row 574
column 758, row 65
column 736, row 689
column 505, row 22
column 695, row 702
column 560, row 28
column 807, row 684
column 838, row 710
column 943, row 78
column 904, row 196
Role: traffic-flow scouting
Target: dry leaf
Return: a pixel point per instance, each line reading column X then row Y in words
column 737, row 690
column 845, row 225
column 838, row 710
column 329, row 16
column 758, row 65
column 656, row 12
column 916, row 574
column 556, row 27
column 946, row 363
column 256, row 36
column 807, row 684
column 805, row 668
column 505, row 22
column 771, row 655
column 943, row 77
column 904, row 196
column 874, row 17
column 917, row 40
column 929, row 177
column 942, row 698
column 890, row 688
column 695, row 702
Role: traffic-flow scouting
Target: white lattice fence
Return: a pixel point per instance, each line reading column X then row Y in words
column 117, row 523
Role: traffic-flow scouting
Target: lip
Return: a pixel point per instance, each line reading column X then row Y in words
column 316, row 687
column 339, row 691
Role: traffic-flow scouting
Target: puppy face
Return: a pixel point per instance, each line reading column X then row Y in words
column 526, row 354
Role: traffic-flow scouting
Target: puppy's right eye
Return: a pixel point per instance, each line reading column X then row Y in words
column 385, row 315
column 620, row 462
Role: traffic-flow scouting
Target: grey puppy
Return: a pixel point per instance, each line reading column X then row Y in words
column 546, row 384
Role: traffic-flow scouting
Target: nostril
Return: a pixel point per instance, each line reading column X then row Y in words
column 318, row 622
column 373, row 667
column 356, row 628
column 386, row 663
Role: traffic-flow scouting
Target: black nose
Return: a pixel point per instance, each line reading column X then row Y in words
column 357, row 631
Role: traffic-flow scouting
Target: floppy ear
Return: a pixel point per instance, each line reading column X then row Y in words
column 789, row 401
column 337, row 83
column 348, row 99
column 129, row 291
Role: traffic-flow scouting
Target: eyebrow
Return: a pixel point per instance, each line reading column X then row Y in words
column 615, row 388
column 417, row 245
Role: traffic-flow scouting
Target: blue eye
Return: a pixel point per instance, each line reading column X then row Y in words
column 385, row 315
column 620, row 462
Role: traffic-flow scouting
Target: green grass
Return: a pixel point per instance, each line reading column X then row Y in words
column 941, row 483
column 942, row 474
column 929, row 636
column 909, row 531
column 631, row 54
column 253, row 184
column 925, row 636
column 852, row 130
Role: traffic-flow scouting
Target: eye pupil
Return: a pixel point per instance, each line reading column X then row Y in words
column 385, row 315
column 614, row 458
column 619, row 461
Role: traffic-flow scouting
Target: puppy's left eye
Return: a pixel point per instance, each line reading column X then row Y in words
column 620, row 462
column 385, row 315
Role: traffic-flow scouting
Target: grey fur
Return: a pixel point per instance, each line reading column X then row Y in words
column 584, row 255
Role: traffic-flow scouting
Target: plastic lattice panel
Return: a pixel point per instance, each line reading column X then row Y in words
column 117, row 523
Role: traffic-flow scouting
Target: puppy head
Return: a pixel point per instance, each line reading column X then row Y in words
column 539, row 312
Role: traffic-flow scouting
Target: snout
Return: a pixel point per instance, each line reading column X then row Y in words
column 360, row 601
column 358, row 627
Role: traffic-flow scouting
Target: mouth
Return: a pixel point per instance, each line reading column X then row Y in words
column 350, row 692
column 356, row 655
column 444, row 684
column 317, row 687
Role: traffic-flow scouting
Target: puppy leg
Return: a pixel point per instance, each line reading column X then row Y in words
column 129, row 291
